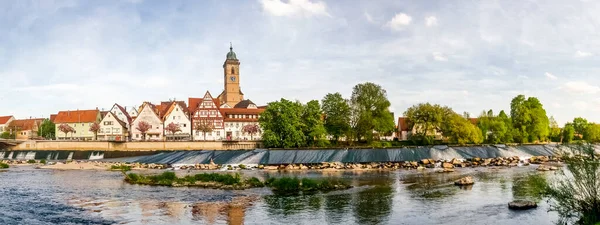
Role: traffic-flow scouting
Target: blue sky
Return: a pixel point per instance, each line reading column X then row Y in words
column 469, row 55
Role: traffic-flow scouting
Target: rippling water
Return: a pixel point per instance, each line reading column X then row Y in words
column 33, row 196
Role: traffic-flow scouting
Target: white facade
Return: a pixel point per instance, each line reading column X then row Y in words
column 178, row 116
column 133, row 112
column 148, row 115
column 235, row 130
column 120, row 114
column 112, row 129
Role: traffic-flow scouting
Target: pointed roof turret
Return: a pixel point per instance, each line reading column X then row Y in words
column 231, row 54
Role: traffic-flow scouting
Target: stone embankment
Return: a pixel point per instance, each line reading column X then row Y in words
column 547, row 163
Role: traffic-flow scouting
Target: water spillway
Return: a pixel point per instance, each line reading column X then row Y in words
column 277, row 157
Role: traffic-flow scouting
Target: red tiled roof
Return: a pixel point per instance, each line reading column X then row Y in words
column 171, row 105
column 26, row 124
column 473, row 121
column 403, row 124
column 193, row 104
column 53, row 117
column 4, row 119
column 77, row 116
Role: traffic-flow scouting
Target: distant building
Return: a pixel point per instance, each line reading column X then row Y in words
column 26, row 129
column 4, row 122
column 176, row 112
column 406, row 129
column 80, row 120
column 112, row 128
column 148, row 113
column 205, row 111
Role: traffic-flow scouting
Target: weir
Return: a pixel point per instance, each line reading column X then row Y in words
column 277, row 157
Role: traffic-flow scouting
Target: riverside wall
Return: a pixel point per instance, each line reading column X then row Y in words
column 136, row 146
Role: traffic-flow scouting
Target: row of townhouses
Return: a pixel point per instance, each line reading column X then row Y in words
column 229, row 116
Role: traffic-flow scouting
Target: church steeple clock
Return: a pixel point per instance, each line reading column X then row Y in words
column 231, row 70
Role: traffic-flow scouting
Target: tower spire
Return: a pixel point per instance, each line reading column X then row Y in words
column 230, row 47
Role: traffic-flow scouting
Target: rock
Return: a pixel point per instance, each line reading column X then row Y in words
column 271, row 167
column 446, row 170
column 446, row 165
column 476, row 159
column 289, row 167
column 420, row 168
column 261, row 167
column 455, row 161
column 425, row 161
column 464, row 181
column 522, row 205
column 553, row 168
column 543, row 168
column 414, row 164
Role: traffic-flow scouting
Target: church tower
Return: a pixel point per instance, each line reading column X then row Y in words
column 231, row 70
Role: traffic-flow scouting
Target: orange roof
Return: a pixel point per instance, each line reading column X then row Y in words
column 53, row 117
column 403, row 124
column 77, row 116
column 171, row 105
column 26, row 124
column 4, row 119
column 473, row 121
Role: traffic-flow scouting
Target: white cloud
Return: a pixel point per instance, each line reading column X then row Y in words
column 580, row 87
column 550, row 76
column 431, row 21
column 294, row 8
column 399, row 21
column 438, row 56
column 582, row 54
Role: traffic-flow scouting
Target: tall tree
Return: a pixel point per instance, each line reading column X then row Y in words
column 459, row 130
column 579, row 124
column 493, row 128
column 508, row 136
column 426, row 120
column 337, row 115
column 312, row 124
column 555, row 131
column 143, row 127
column 282, row 124
column 568, row 133
column 529, row 119
column 591, row 133
column 94, row 128
column 372, row 105
column 47, row 129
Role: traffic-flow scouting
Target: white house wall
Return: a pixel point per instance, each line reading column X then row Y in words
column 147, row 115
column 178, row 116
column 110, row 127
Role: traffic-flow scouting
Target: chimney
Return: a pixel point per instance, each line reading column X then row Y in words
column 68, row 112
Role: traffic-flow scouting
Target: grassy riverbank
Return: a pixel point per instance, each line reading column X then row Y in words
column 284, row 185
column 4, row 166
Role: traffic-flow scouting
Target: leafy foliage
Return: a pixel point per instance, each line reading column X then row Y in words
column 8, row 135
column 371, row 110
column 47, row 129
column 337, row 115
column 65, row 128
column 459, row 130
column 312, row 124
column 251, row 129
column 204, row 126
column 568, row 133
column 173, row 128
column 4, row 165
column 495, row 129
column 529, row 119
column 576, row 196
column 282, row 124
column 591, row 133
column 426, row 120
column 94, row 128
column 580, row 125
column 143, row 127
column 555, row 130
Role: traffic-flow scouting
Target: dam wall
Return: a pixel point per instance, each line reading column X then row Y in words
column 134, row 146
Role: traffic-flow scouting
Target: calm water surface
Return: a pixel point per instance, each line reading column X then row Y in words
column 34, row 196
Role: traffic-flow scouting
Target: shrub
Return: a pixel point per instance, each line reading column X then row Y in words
column 31, row 161
column 286, row 185
column 43, row 161
column 254, row 182
column 309, row 185
column 120, row 167
column 4, row 166
column 242, row 166
column 575, row 196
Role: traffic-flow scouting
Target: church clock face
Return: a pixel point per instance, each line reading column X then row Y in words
column 232, row 78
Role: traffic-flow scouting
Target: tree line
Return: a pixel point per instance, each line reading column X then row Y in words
column 364, row 117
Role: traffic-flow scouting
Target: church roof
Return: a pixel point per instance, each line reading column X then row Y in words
column 244, row 104
column 231, row 54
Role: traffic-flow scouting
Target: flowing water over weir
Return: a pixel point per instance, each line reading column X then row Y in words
column 276, row 157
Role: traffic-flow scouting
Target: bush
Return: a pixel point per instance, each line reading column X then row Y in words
column 169, row 178
column 120, row 167
column 242, row 166
column 309, row 185
column 254, row 182
column 31, row 161
column 575, row 196
column 4, row 166
column 286, row 185
column 43, row 161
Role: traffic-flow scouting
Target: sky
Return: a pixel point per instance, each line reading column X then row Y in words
column 469, row 55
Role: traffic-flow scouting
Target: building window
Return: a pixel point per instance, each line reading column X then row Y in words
column 176, row 109
column 184, row 125
column 232, row 70
column 218, row 133
column 156, row 127
column 74, row 125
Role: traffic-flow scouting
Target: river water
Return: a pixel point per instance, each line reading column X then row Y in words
column 38, row 196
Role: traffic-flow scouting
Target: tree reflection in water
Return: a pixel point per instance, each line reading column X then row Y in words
column 373, row 205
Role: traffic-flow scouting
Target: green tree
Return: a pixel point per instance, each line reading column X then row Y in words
column 337, row 115
column 47, row 129
column 312, row 124
column 508, row 136
column 529, row 119
column 493, row 128
column 372, row 111
column 579, row 124
column 555, row 131
column 568, row 133
column 426, row 120
column 460, row 130
column 282, row 124
column 591, row 133
column 8, row 135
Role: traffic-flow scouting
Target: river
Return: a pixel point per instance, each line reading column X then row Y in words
column 39, row 196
